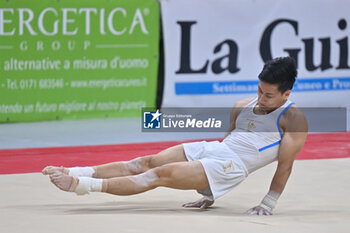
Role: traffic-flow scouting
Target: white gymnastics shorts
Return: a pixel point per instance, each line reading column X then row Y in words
column 222, row 166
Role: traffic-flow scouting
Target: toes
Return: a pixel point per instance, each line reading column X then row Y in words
column 62, row 181
column 45, row 171
column 49, row 170
column 61, row 186
column 55, row 178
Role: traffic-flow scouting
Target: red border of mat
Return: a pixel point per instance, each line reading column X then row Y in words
column 317, row 146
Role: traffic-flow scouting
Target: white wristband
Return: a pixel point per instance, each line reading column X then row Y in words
column 270, row 200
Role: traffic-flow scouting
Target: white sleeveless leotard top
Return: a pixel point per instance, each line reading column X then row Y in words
column 256, row 138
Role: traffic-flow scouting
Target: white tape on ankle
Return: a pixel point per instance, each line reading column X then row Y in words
column 81, row 171
column 87, row 185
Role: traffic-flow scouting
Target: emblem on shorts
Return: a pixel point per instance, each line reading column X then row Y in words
column 228, row 167
column 152, row 120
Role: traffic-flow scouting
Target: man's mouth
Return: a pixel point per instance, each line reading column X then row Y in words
column 261, row 105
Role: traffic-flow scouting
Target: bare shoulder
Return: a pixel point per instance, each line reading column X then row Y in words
column 294, row 120
column 243, row 102
column 238, row 107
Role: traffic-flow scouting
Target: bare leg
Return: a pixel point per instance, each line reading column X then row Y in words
column 141, row 164
column 133, row 167
column 179, row 175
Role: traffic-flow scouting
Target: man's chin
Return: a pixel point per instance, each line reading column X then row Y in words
column 265, row 109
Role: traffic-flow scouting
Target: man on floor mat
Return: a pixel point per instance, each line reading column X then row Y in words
column 263, row 129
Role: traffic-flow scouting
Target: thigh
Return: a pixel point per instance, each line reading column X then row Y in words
column 170, row 155
column 183, row 175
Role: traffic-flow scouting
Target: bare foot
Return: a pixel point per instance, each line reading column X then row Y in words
column 64, row 182
column 49, row 170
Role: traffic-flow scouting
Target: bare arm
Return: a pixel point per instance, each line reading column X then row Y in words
column 291, row 144
column 295, row 128
column 233, row 116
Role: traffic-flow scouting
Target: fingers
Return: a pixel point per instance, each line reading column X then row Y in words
column 264, row 212
column 202, row 204
column 192, row 204
column 252, row 211
column 258, row 210
column 189, row 204
column 268, row 213
column 207, row 203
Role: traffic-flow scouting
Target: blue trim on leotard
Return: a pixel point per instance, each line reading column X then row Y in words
column 279, row 116
column 271, row 145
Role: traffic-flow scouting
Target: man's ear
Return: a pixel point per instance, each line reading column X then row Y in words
column 286, row 94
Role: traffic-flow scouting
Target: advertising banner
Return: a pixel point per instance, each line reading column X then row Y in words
column 72, row 59
column 214, row 50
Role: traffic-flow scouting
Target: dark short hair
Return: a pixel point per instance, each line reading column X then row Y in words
column 281, row 71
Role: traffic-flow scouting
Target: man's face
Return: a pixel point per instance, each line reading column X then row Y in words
column 269, row 97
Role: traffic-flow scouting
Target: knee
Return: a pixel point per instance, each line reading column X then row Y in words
column 145, row 181
column 142, row 164
column 152, row 178
column 153, row 161
column 139, row 165
column 164, row 174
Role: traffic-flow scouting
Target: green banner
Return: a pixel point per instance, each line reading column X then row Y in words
column 74, row 59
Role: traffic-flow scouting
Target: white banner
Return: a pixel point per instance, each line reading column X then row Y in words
column 214, row 50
